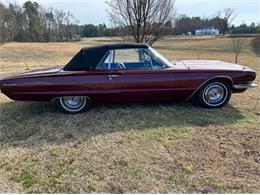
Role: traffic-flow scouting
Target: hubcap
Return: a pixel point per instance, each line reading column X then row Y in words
column 215, row 94
column 73, row 104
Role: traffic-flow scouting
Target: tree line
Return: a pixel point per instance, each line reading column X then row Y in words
column 245, row 29
column 222, row 21
column 33, row 23
column 185, row 24
column 101, row 30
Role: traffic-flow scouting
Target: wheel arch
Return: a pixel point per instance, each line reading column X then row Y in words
column 215, row 78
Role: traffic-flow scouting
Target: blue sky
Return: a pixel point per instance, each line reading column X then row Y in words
column 94, row 11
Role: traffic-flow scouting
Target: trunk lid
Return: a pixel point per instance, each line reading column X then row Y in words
column 42, row 71
column 37, row 72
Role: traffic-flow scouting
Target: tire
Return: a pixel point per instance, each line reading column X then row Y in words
column 74, row 104
column 214, row 94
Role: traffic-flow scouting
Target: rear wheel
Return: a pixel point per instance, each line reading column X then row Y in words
column 214, row 94
column 74, row 104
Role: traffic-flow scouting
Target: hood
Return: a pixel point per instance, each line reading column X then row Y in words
column 208, row 65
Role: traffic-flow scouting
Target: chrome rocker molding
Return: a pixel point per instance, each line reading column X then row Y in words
column 245, row 85
column 9, row 84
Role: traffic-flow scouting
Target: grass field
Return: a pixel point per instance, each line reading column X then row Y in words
column 118, row 148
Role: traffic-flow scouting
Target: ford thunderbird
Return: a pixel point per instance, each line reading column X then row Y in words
column 129, row 72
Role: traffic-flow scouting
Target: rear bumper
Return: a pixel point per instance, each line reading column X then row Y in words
column 245, row 85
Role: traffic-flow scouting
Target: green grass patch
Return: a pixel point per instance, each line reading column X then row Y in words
column 24, row 177
column 177, row 177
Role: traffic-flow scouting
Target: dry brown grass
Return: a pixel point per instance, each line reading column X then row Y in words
column 155, row 147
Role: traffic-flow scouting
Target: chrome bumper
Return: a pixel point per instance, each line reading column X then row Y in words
column 245, row 86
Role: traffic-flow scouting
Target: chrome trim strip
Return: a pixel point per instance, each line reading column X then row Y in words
column 110, row 59
column 245, row 86
column 9, row 84
column 103, row 59
column 215, row 77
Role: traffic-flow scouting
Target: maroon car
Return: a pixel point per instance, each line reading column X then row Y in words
column 129, row 72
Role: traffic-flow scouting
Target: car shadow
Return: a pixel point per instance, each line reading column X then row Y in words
column 30, row 124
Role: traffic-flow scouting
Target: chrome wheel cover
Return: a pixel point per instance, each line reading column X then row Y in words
column 73, row 103
column 215, row 94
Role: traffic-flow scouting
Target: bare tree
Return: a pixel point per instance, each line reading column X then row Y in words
column 145, row 20
column 229, row 15
column 238, row 43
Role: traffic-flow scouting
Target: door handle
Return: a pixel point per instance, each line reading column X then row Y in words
column 111, row 76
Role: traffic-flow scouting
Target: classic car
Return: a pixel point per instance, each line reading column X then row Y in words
column 129, row 72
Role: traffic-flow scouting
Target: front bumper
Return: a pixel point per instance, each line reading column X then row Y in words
column 245, row 85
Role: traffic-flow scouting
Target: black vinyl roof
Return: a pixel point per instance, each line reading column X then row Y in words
column 117, row 46
column 89, row 57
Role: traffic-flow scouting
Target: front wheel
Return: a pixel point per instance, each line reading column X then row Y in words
column 74, row 104
column 215, row 94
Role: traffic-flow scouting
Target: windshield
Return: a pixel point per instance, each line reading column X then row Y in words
column 160, row 57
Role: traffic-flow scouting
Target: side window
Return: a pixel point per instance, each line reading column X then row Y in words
column 126, row 56
column 129, row 59
column 157, row 63
column 104, row 64
column 132, row 59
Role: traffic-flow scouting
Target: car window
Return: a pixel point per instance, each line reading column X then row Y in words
column 126, row 59
column 104, row 64
column 126, row 55
column 157, row 63
column 158, row 60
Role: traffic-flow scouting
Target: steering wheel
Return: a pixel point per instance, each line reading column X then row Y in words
column 120, row 66
column 147, row 63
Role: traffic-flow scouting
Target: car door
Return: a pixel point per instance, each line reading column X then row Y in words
column 98, row 81
column 132, row 76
